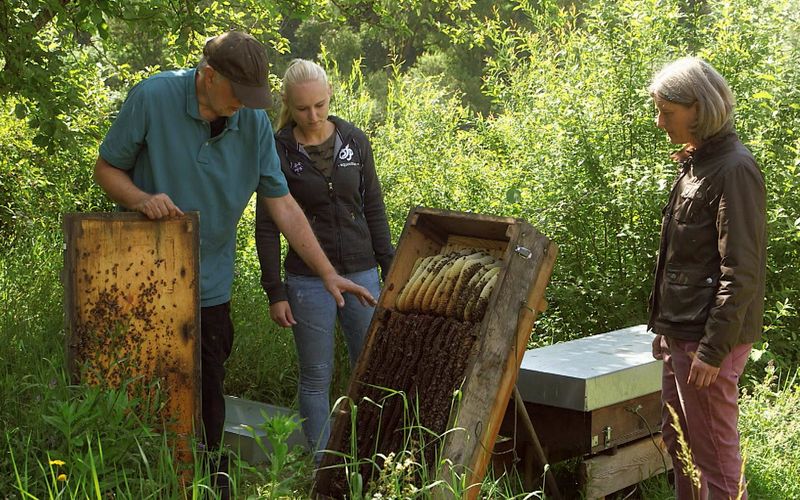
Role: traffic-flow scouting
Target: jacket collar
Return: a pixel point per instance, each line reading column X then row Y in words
column 343, row 131
column 712, row 146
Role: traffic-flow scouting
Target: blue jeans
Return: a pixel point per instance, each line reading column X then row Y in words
column 316, row 312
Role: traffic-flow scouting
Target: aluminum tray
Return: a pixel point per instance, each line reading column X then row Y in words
column 243, row 421
column 591, row 372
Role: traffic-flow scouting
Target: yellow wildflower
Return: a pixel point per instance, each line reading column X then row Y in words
column 57, row 462
column 62, row 477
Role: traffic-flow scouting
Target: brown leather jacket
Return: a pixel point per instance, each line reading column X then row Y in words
column 710, row 273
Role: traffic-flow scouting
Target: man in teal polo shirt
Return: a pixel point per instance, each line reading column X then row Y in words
column 197, row 139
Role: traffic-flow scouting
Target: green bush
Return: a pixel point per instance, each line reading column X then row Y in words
column 569, row 144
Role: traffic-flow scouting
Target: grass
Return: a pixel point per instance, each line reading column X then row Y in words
column 63, row 441
column 99, row 458
column 770, row 429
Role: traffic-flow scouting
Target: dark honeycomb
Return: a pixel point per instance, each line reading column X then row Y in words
column 406, row 391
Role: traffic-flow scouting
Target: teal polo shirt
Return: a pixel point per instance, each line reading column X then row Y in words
column 161, row 138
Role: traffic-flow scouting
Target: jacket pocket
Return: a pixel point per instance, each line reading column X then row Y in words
column 356, row 240
column 687, row 295
column 691, row 201
column 357, row 221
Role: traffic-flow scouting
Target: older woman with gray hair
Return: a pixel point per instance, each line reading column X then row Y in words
column 707, row 304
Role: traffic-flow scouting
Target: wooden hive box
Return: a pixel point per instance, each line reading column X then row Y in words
column 598, row 399
column 434, row 384
column 132, row 308
column 592, row 394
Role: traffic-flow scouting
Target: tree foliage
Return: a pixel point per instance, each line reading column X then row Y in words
column 514, row 108
column 46, row 47
column 564, row 138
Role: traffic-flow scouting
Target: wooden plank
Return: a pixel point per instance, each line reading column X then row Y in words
column 446, row 222
column 414, row 244
column 602, row 475
column 494, row 248
column 493, row 372
column 428, row 228
column 567, row 433
column 627, row 421
column 132, row 303
column 491, row 367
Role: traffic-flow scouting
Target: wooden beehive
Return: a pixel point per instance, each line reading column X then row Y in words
column 589, row 398
column 462, row 373
column 133, row 311
column 581, row 394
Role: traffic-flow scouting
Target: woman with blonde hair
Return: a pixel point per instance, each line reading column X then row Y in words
column 707, row 303
column 330, row 170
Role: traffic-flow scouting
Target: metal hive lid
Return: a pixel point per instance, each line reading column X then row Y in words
column 591, row 372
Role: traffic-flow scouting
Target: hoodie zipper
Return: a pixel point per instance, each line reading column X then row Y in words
column 332, row 196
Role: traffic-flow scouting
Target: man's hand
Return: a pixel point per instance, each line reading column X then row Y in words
column 156, row 206
column 658, row 351
column 119, row 186
column 291, row 221
column 281, row 313
column 337, row 285
column 701, row 374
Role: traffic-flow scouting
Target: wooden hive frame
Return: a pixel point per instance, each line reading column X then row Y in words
column 491, row 371
column 132, row 306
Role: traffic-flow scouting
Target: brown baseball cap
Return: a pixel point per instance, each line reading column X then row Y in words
column 243, row 60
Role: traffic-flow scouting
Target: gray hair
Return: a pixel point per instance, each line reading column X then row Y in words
column 202, row 64
column 299, row 71
column 691, row 80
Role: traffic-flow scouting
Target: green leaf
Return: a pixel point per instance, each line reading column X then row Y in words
column 102, row 30
column 513, row 195
column 41, row 140
column 762, row 94
column 20, row 111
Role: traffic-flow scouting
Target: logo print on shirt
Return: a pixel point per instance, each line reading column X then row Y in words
column 346, row 153
column 296, row 167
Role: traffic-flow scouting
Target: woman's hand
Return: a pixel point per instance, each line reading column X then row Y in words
column 658, row 351
column 701, row 374
column 281, row 313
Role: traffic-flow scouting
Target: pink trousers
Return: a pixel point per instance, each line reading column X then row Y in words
column 708, row 418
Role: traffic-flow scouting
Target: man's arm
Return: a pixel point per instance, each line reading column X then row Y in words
column 291, row 221
column 119, row 186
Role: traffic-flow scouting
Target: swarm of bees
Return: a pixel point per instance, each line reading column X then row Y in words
column 456, row 285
